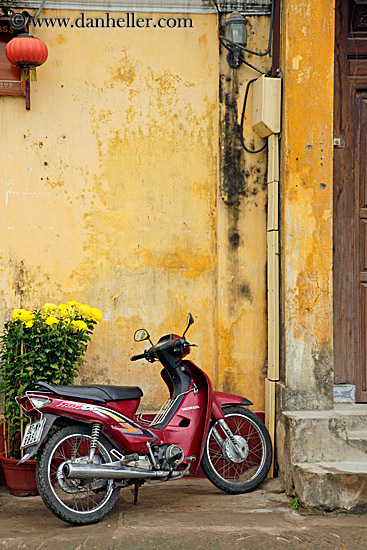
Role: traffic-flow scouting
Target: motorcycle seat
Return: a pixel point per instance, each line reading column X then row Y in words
column 99, row 393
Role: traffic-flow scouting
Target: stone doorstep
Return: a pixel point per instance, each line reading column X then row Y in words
column 328, row 435
column 331, row 485
column 328, row 457
column 350, row 412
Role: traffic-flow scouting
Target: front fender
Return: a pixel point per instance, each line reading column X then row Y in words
column 220, row 399
column 31, row 451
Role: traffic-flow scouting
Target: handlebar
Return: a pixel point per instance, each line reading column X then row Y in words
column 137, row 357
column 176, row 345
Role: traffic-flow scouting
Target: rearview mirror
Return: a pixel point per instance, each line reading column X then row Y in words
column 190, row 321
column 141, row 334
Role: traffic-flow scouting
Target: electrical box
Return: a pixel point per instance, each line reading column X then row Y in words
column 266, row 105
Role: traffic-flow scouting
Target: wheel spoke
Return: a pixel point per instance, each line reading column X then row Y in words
column 227, row 463
column 77, row 495
column 216, row 454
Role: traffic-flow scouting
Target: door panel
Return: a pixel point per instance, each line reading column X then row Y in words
column 363, row 241
column 350, row 197
column 346, row 256
column 359, row 134
column 362, row 371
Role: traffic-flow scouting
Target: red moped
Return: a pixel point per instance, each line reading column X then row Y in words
column 102, row 445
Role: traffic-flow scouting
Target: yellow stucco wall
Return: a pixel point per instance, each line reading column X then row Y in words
column 110, row 190
column 307, row 58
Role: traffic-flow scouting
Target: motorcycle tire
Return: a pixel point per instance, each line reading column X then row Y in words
column 223, row 466
column 80, row 502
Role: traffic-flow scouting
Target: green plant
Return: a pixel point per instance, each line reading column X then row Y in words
column 295, row 503
column 46, row 344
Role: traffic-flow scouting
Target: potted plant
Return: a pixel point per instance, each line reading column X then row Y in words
column 46, row 344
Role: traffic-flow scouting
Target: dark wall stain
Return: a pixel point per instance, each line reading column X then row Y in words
column 246, row 292
column 228, row 384
column 233, row 184
column 242, row 177
column 234, row 239
column 22, row 281
column 235, row 175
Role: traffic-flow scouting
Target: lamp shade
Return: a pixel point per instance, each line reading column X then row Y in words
column 235, row 28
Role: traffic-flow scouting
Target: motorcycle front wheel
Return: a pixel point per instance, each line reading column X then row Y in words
column 223, row 466
column 80, row 502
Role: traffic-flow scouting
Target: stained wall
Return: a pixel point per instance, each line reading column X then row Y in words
column 307, row 62
column 125, row 187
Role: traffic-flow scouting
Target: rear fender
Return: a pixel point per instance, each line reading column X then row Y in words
column 220, row 399
column 31, row 451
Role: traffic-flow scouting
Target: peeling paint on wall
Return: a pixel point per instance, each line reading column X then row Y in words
column 112, row 196
column 110, row 190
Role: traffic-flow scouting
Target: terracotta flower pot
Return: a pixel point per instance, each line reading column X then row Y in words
column 21, row 480
column 2, row 448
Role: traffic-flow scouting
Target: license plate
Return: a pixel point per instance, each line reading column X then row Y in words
column 33, row 433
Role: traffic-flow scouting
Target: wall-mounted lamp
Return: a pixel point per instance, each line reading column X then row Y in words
column 235, row 39
column 235, row 34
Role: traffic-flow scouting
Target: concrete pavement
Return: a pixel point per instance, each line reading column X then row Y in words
column 183, row 515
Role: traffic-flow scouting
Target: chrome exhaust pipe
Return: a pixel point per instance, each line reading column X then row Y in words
column 113, row 470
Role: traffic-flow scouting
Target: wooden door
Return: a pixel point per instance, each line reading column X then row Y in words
column 350, row 197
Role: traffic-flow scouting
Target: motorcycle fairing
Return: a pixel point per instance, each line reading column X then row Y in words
column 115, row 424
column 188, row 427
column 205, row 381
column 91, row 413
column 123, row 424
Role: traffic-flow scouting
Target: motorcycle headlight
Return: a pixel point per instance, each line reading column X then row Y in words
column 39, row 402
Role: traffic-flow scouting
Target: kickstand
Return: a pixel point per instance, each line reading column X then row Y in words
column 135, row 491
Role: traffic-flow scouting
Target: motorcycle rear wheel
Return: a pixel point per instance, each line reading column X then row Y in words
column 80, row 502
column 224, row 467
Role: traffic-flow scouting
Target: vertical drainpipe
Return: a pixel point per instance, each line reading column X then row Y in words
column 273, row 280
column 272, row 285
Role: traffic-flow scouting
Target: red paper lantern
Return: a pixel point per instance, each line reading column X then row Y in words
column 28, row 52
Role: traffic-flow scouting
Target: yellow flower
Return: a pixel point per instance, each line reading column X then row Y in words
column 26, row 316
column 65, row 311
column 49, row 306
column 29, row 324
column 85, row 311
column 72, row 303
column 96, row 314
column 22, row 315
column 47, row 309
column 51, row 320
column 79, row 325
column 16, row 314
